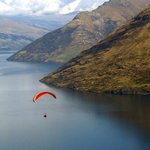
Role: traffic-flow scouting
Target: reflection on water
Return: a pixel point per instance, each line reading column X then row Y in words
column 133, row 110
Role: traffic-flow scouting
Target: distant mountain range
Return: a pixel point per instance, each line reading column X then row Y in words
column 120, row 63
column 15, row 35
column 84, row 31
column 49, row 22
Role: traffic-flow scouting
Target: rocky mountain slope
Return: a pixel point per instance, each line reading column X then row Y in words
column 15, row 35
column 120, row 63
column 85, row 30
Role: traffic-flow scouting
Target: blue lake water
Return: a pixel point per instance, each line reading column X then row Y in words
column 75, row 120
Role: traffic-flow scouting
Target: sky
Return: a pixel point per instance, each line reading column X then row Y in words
column 41, row 7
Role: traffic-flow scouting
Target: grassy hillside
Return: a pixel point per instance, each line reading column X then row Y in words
column 84, row 31
column 120, row 63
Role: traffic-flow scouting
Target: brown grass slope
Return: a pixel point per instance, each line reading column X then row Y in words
column 84, row 31
column 119, row 63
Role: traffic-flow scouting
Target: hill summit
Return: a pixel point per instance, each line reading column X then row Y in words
column 84, row 31
column 120, row 63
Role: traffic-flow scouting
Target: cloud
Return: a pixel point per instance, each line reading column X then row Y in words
column 8, row 1
column 70, row 7
column 40, row 7
column 30, row 7
column 81, row 5
column 53, row 7
column 4, row 7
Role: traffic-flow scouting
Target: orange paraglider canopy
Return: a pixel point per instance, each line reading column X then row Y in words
column 35, row 98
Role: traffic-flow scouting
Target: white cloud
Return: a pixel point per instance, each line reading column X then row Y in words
column 53, row 7
column 81, row 5
column 8, row 1
column 70, row 7
column 30, row 7
column 4, row 7
column 39, row 7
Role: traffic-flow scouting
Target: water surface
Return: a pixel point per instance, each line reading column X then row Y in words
column 75, row 120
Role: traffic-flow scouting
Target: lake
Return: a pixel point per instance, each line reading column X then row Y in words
column 75, row 120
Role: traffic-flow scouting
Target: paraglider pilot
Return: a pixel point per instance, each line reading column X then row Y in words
column 35, row 98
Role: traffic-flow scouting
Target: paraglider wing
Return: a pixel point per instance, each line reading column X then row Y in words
column 35, row 98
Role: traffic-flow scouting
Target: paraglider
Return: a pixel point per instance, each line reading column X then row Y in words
column 36, row 97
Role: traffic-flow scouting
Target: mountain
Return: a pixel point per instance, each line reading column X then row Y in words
column 120, row 63
column 49, row 21
column 15, row 35
column 84, row 31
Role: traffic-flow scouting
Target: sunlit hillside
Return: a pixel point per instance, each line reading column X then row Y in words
column 120, row 63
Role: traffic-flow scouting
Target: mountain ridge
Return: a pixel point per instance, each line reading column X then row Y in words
column 84, row 31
